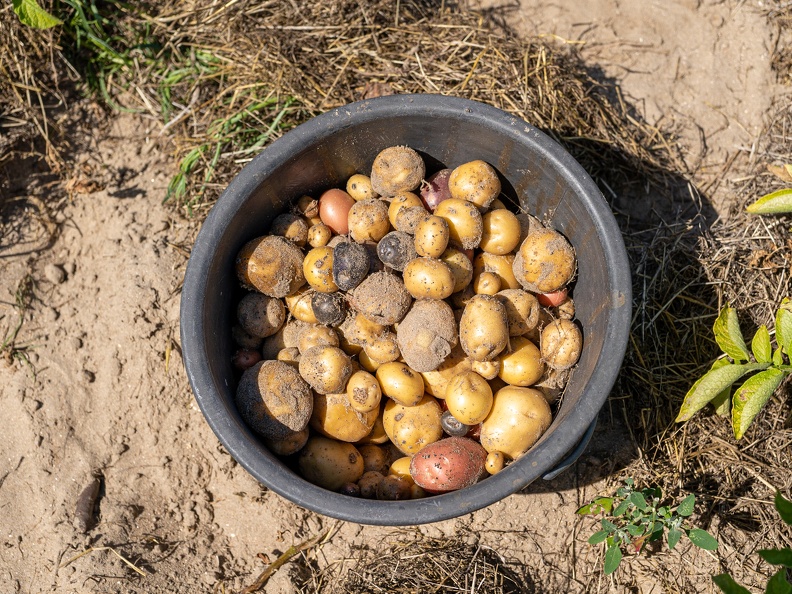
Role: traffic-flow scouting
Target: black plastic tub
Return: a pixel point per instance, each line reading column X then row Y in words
column 536, row 173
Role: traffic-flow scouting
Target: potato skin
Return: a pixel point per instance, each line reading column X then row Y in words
column 428, row 278
column 465, row 224
column 412, row 427
column 523, row 366
column 518, row 418
column 546, row 261
column 501, row 232
column 522, row 310
column 368, row 220
column 274, row 400
column 334, row 417
column 329, row 463
column 427, row 334
column 272, row 265
column 396, row 169
column 382, row 298
column 561, row 342
column 476, row 182
column 484, row 329
column 448, row 465
column 326, row 369
column 436, row 381
column 259, row 315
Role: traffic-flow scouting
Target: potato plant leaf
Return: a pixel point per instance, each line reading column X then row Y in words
column 728, row 335
column 613, row 557
column 727, row 584
column 776, row 202
column 778, row 584
column 722, row 402
column 702, row 539
column 686, row 507
column 638, row 500
column 32, row 15
column 751, row 397
column 598, row 537
column 784, row 507
column 673, row 537
column 760, row 345
column 777, row 556
column 778, row 357
column 711, row 384
column 783, row 327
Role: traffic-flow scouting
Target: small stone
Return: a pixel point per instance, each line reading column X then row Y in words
column 75, row 343
column 88, row 376
column 54, row 274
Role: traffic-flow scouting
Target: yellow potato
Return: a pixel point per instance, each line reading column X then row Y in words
column 292, row 227
column 546, row 261
column 318, row 269
column 561, row 343
column 486, row 283
column 483, row 329
column 383, row 348
column 464, row 222
column 368, row 220
column 469, row 397
column 317, row 336
column 271, row 265
column 523, row 365
column 412, row 427
column 461, row 267
column 428, row 278
column 397, row 169
column 500, row 265
column 299, row 305
column 333, row 416
column 400, row 383
column 431, row 237
column 319, row 235
column 359, row 187
column 475, row 181
column 487, row 369
column 401, row 201
column 326, row 369
column 364, row 392
column 436, row 381
column 522, row 310
column 518, row 418
column 501, row 232
column 377, row 434
column 494, row 462
column 330, row 463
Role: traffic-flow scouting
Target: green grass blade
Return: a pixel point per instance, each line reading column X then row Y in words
column 777, row 202
column 751, row 397
column 711, row 384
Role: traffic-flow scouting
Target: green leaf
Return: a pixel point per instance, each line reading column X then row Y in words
column 32, row 15
column 777, row 202
column 638, row 500
column 778, row 357
column 784, row 507
column 777, row 556
column 600, row 504
column 702, row 539
column 760, row 345
column 609, row 526
column 673, row 537
column 613, row 557
column 598, row 537
column 778, row 584
column 635, row 530
column 722, row 402
column 728, row 335
column 751, row 397
column 686, row 507
column 711, row 384
column 783, row 327
column 621, row 508
column 727, row 584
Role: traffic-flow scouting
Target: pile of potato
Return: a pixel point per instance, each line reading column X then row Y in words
column 406, row 336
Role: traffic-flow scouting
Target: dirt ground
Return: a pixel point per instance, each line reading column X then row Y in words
column 105, row 393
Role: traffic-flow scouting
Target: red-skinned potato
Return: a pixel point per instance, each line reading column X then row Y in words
column 448, row 465
column 334, row 206
column 435, row 190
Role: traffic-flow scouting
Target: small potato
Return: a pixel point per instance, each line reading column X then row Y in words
column 318, row 269
column 326, row 369
column 350, row 265
column 561, row 343
column 400, row 383
column 427, row 334
column 436, row 381
column 307, row 207
column 428, row 278
column 523, row 365
column 401, row 467
column 368, row 220
column 486, row 369
column 245, row 359
column 334, row 206
column 292, row 227
column 383, row 348
column 461, row 267
column 397, row 169
column 476, row 182
column 486, row 283
column 328, row 308
column 501, row 232
column 369, row 482
column 412, row 427
column 518, row 418
column 364, row 392
column 464, row 222
column 272, row 265
column 287, row 336
column 319, row 235
column 522, row 310
column 431, row 237
column 290, row 444
column 274, row 400
column 448, row 465
column 566, row 309
column 359, row 187
column 409, row 218
column 382, row 298
column 334, row 417
column 400, row 202
column 483, row 329
column 375, row 458
column 290, row 355
column 393, row 488
column 329, row 463
column 547, row 262
column 494, row 463
column 259, row 315
column 299, row 305
column 469, row 397
column 396, row 249
column 497, row 204
column 317, row 336
column 500, row 265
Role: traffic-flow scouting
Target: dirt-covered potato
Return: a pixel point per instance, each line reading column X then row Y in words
column 501, row 232
column 469, row 397
column 292, row 227
column 328, row 308
column 383, row 348
column 259, row 315
column 428, row 278
column 476, row 182
column 364, row 392
column 465, row 225
column 244, row 339
column 546, row 261
column 431, row 237
column 486, row 283
column 522, row 310
column 500, row 265
column 318, row 269
column 561, row 343
column 359, row 330
column 272, row 265
column 368, row 220
column 375, row 457
column 393, row 488
column 307, row 207
column 291, row 444
column 400, row 383
column 359, row 187
column 396, row 249
column 319, row 235
column 290, row 355
column 333, row 416
column 397, row 169
column 287, row 336
column 382, row 298
column 326, row 369
column 317, row 335
column 350, row 265
column 427, row 334
column 408, row 218
column 329, row 463
column 299, row 305
column 484, row 328
column 522, row 366
column 400, row 202
column 412, row 427
column 436, row 381
column 448, row 465
column 461, row 267
column 518, row 418
column 274, row 400
column 369, row 482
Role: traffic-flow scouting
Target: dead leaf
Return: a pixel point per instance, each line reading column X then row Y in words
column 784, row 172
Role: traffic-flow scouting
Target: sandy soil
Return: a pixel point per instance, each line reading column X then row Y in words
column 106, row 395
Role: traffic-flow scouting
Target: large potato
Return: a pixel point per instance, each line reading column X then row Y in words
column 427, row 334
column 382, row 298
column 475, row 181
column 397, row 169
column 546, row 261
column 329, row 463
column 272, row 265
column 333, row 416
column 326, row 369
column 447, row 465
column 412, row 427
column 484, row 328
column 518, row 418
column 465, row 224
column 274, row 400
column 400, row 383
